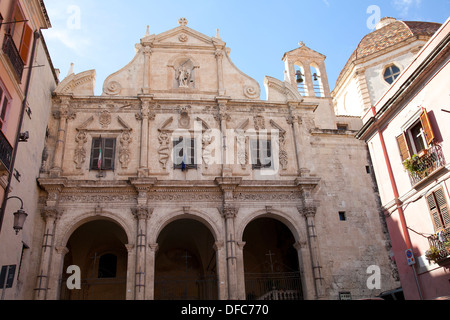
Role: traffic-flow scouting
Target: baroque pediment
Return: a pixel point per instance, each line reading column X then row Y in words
column 182, row 36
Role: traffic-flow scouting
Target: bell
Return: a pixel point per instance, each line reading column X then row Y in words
column 299, row 77
column 315, row 76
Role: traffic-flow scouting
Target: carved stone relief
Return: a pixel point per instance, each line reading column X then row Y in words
column 124, row 154
column 80, row 151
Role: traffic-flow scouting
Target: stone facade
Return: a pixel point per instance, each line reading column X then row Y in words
column 280, row 166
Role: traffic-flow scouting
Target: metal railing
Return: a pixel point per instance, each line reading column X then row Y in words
column 273, row 286
column 438, row 241
column 9, row 48
column 6, row 151
column 186, row 288
column 432, row 160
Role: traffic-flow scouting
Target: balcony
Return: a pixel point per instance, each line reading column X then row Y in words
column 439, row 251
column 424, row 165
column 6, row 151
column 10, row 50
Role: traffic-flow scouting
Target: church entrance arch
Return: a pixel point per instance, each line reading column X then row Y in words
column 185, row 265
column 98, row 249
column 271, row 263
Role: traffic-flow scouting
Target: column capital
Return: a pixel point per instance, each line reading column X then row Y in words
column 229, row 211
column 51, row 213
column 308, row 211
column 142, row 212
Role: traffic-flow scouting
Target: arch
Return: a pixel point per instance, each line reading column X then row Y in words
column 316, row 78
column 186, row 261
column 160, row 222
column 271, row 259
column 98, row 248
column 294, row 227
column 299, row 74
column 65, row 230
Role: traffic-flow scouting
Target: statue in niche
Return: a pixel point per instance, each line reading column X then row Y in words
column 184, row 74
column 183, row 77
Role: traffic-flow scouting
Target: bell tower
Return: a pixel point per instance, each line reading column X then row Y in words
column 305, row 70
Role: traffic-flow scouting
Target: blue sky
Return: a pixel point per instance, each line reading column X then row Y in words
column 101, row 34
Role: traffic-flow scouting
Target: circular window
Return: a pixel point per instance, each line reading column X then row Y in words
column 391, row 73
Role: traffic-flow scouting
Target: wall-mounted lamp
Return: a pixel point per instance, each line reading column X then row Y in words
column 299, row 76
column 19, row 216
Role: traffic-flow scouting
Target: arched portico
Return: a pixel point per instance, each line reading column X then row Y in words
column 274, row 243
column 99, row 248
column 188, row 256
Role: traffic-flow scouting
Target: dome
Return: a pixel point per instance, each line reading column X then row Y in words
column 388, row 33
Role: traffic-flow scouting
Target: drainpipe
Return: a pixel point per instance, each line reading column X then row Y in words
column 19, row 128
column 398, row 204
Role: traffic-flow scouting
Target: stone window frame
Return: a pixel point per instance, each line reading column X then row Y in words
column 93, row 165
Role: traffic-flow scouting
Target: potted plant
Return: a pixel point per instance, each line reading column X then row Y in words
column 433, row 254
column 414, row 165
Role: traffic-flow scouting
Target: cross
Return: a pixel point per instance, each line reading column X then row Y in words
column 182, row 22
column 95, row 261
column 270, row 254
column 186, row 257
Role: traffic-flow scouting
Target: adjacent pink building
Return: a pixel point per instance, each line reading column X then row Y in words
column 408, row 134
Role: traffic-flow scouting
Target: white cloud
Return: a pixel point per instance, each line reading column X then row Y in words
column 404, row 6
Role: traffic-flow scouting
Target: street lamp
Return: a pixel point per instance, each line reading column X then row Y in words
column 19, row 216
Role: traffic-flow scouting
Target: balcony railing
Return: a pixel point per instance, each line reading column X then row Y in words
column 439, row 247
column 426, row 163
column 9, row 48
column 6, row 151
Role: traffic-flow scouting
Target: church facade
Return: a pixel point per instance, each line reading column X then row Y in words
column 179, row 182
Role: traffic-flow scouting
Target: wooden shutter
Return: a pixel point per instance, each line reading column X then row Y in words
column 178, row 153
column 266, row 156
column 429, row 134
column 434, row 212
column 108, row 153
column 442, row 206
column 26, row 42
column 403, row 147
column 95, row 152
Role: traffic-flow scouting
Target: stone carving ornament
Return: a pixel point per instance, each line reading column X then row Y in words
column 80, row 151
column 124, row 154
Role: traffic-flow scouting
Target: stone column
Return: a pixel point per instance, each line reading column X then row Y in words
column 309, row 213
column 219, row 247
column 130, row 271
column 229, row 213
column 144, row 115
column 50, row 215
column 240, row 269
column 147, row 53
column 142, row 214
column 305, row 265
column 64, row 114
column 151, row 264
column 219, row 58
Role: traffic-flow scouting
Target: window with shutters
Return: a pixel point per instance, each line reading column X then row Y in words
column 438, row 206
column 103, row 153
column 420, row 154
column 184, row 155
column 417, row 137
